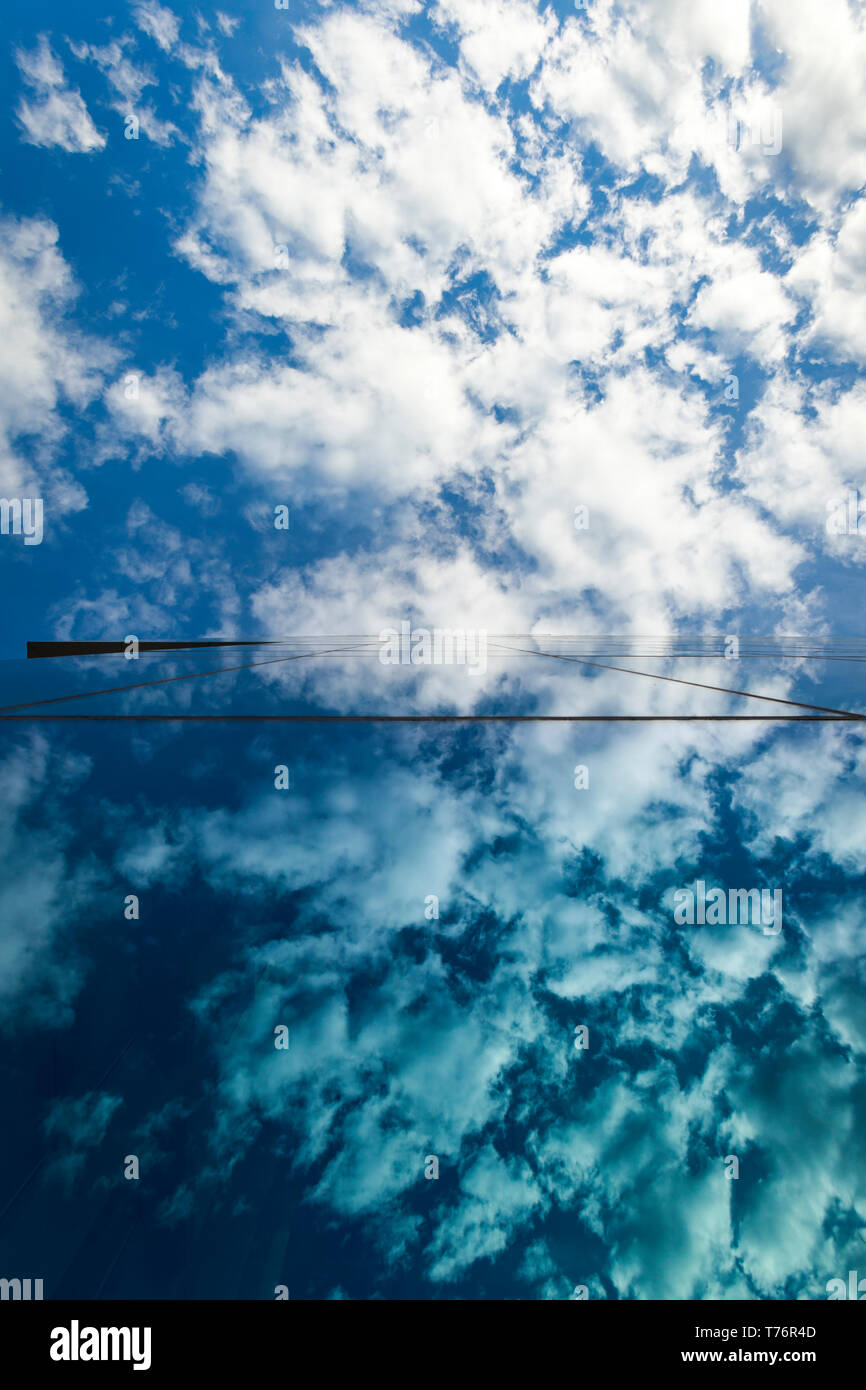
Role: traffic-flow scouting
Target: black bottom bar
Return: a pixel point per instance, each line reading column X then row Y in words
column 652, row 1339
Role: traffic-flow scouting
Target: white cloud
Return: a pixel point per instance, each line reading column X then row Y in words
column 829, row 273
column 81, row 1123
column 498, row 38
column 227, row 24
column 821, row 92
column 442, row 362
column 56, row 114
column 426, row 1066
column 422, row 191
column 44, row 361
column 161, row 23
column 799, row 465
column 129, row 82
column 42, row 889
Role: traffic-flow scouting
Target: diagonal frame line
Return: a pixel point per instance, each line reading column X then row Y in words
column 6, row 710
column 698, row 685
column 825, row 713
column 445, row 718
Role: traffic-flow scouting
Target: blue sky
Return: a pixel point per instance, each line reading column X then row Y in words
column 432, row 276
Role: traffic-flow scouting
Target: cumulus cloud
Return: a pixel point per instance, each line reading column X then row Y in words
column 45, row 361
column 453, row 303
column 443, row 332
column 462, row 1034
